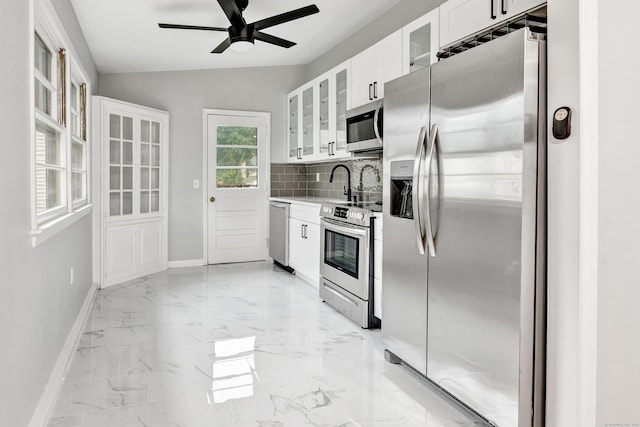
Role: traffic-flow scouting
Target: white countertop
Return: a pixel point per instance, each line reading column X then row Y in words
column 307, row 200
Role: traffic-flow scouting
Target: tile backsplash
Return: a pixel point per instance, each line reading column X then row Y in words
column 312, row 180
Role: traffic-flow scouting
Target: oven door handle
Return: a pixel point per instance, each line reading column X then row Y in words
column 354, row 231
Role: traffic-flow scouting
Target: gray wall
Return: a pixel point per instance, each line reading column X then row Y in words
column 184, row 94
column 396, row 18
column 68, row 17
column 38, row 306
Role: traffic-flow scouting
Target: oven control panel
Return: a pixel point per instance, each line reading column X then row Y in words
column 347, row 214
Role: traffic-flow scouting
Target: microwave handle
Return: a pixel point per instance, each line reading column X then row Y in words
column 376, row 129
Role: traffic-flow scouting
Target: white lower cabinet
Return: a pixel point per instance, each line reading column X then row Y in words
column 132, row 250
column 304, row 241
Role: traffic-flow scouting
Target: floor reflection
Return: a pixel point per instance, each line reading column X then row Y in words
column 234, row 370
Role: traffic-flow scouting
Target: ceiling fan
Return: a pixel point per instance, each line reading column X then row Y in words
column 243, row 35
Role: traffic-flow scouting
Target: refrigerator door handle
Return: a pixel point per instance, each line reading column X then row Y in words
column 432, row 149
column 417, row 196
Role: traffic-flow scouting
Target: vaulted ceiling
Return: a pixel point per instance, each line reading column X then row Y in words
column 124, row 36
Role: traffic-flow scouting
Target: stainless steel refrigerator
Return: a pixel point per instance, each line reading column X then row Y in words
column 464, row 224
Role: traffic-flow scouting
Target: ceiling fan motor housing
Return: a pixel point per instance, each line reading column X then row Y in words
column 241, row 34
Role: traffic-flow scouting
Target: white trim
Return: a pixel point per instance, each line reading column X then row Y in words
column 588, row 220
column 47, row 230
column 186, row 263
column 52, row 388
column 205, row 177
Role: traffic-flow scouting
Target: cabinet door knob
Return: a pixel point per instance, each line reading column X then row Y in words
column 212, row 199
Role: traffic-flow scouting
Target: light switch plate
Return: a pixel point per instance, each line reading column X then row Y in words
column 196, row 183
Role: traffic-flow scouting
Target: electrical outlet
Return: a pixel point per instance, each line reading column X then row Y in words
column 71, row 276
column 317, row 176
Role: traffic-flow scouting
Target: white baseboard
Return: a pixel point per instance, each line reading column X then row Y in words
column 186, row 263
column 52, row 388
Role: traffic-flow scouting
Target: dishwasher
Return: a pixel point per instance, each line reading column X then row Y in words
column 279, row 233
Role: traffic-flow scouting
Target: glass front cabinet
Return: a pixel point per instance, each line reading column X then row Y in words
column 133, row 167
column 317, row 117
column 302, row 135
column 420, row 42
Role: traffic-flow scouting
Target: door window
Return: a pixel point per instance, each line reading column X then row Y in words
column 237, row 157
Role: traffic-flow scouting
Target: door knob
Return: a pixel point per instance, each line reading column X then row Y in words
column 212, row 199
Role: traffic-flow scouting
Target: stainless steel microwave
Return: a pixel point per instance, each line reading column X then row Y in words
column 364, row 127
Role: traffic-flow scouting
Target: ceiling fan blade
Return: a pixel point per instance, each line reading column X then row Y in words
column 268, row 38
column 285, row 17
column 191, row 27
column 231, row 9
column 222, row 46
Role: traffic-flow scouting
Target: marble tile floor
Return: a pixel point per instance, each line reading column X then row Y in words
column 236, row 345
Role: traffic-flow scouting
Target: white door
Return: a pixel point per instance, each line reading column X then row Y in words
column 237, row 181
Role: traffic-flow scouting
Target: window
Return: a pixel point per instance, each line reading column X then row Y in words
column 60, row 147
column 237, row 157
column 78, row 144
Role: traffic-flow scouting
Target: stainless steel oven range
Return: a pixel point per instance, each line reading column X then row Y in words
column 346, row 260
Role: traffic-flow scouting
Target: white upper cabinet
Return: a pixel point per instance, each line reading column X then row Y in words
column 333, row 103
column 420, row 42
column 461, row 18
column 316, row 117
column 375, row 66
column 302, row 113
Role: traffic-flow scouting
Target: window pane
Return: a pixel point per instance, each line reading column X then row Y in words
column 127, row 178
column 234, row 178
column 144, row 154
column 74, row 96
column 54, row 184
column 127, row 128
column 48, row 189
column 155, row 155
column 155, row 178
column 236, row 156
column 144, row 178
column 75, row 124
column 42, row 97
column 77, row 155
column 155, row 132
column 77, row 186
column 127, row 203
column 127, row 153
column 144, row 202
column 42, row 57
column 114, row 152
column 114, row 204
column 144, row 131
column 114, row 126
column 236, row 135
column 155, row 201
column 47, row 146
column 114, row 178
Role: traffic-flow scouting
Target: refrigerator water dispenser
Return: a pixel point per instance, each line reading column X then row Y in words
column 401, row 189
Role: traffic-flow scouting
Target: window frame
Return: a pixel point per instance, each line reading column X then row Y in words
column 48, row 27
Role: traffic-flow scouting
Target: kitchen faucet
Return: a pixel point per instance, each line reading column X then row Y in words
column 347, row 189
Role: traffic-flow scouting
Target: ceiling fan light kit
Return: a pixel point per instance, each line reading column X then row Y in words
column 241, row 36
